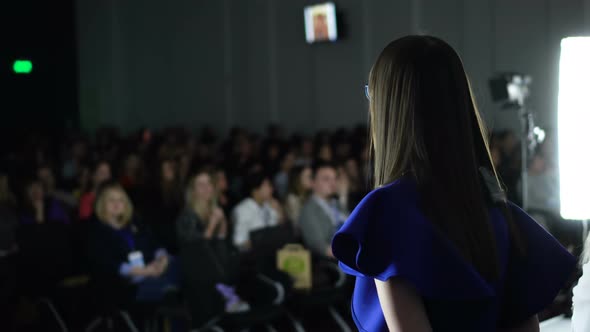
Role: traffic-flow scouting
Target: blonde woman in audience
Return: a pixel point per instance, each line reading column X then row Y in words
column 119, row 252
column 202, row 217
column 581, row 300
column 201, row 230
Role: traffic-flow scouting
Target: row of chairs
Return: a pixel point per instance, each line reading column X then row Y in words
column 50, row 271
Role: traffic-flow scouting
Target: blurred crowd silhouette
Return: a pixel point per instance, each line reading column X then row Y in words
column 148, row 215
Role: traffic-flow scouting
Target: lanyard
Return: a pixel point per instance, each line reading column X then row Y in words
column 127, row 235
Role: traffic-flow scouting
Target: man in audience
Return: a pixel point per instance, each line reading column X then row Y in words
column 257, row 211
column 322, row 214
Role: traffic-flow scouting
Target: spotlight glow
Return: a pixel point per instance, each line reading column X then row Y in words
column 573, row 127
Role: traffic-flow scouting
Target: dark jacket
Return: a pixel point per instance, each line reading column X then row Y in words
column 107, row 248
column 218, row 255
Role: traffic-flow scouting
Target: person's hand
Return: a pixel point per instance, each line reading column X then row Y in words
column 38, row 204
column 216, row 223
column 329, row 252
column 275, row 205
column 217, row 216
column 145, row 271
column 161, row 264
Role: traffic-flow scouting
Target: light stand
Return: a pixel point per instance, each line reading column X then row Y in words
column 513, row 90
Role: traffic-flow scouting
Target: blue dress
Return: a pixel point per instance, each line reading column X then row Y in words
column 387, row 236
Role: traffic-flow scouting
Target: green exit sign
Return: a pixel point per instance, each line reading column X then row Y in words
column 22, row 66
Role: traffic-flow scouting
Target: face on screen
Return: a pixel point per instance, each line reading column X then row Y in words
column 320, row 27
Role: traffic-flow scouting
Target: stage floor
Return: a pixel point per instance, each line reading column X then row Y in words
column 557, row 324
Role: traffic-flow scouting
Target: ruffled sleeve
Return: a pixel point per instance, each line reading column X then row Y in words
column 533, row 280
column 386, row 236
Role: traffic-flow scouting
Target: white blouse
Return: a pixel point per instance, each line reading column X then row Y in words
column 581, row 302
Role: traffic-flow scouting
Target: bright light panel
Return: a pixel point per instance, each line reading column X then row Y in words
column 574, row 127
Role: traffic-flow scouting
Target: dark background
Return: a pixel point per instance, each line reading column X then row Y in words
column 43, row 32
column 148, row 63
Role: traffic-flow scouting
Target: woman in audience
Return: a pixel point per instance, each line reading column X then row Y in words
column 82, row 183
column 437, row 246
column 132, row 175
column 300, row 184
column 224, row 198
column 165, row 197
column 71, row 165
column 201, row 230
column 121, row 252
column 581, row 299
column 305, row 152
column 351, row 183
column 271, row 157
column 281, row 179
column 161, row 203
column 39, row 208
column 202, row 217
column 101, row 172
column 324, row 153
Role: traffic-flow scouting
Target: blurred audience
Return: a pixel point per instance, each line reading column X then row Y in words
column 225, row 199
column 101, row 172
column 165, row 197
column 38, row 208
column 46, row 175
column 8, row 218
column 202, row 197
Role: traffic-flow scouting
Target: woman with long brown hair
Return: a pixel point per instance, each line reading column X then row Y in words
column 436, row 246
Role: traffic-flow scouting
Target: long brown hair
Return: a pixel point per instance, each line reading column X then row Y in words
column 424, row 123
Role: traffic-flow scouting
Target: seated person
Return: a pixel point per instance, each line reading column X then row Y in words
column 299, row 190
column 201, row 230
column 322, row 214
column 39, row 208
column 47, row 177
column 257, row 211
column 101, row 172
column 202, row 218
column 119, row 251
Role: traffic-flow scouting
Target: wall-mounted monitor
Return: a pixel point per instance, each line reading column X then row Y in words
column 320, row 23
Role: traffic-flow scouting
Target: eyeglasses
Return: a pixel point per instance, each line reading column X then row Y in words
column 367, row 92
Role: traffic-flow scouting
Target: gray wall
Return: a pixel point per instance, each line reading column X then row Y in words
column 245, row 62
